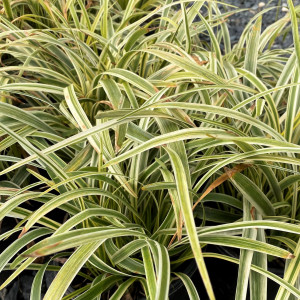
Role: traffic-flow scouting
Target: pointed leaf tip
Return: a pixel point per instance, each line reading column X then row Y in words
column 291, row 256
column 24, row 230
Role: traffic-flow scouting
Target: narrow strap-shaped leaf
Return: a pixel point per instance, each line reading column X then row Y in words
column 101, row 265
column 99, row 288
column 253, row 194
column 284, row 77
column 186, row 29
column 7, row 233
column 103, row 24
column 129, row 264
column 88, row 213
column 17, row 245
column 69, row 141
column 36, row 288
column 295, row 30
column 119, row 293
column 258, row 282
column 275, row 225
column 36, row 87
column 244, row 243
column 18, row 271
column 128, row 250
column 189, row 285
column 134, row 79
column 8, row 9
column 162, row 271
column 85, row 124
column 112, row 91
column 61, row 199
column 12, row 203
column 252, row 47
column 149, row 271
column 292, row 107
column 174, row 198
column 24, row 117
column 291, row 275
column 283, row 283
column 191, row 14
column 274, row 118
column 183, row 193
column 213, row 38
column 76, row 238
column 47, row 160
column 187, row 65
column 245, row 256
column 222, row 111
column 69, row 270
column 174, row 136
column 39, row 70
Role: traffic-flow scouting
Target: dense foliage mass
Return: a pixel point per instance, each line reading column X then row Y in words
column 155, row 137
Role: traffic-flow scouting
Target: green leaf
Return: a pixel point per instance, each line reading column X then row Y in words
column 291, row 274
column 77, row 238
column 69, row 270
column 253, row 194
column 258, row 282
column 61, row 199
column 284, row 284
column 134, row 79
column 99, row 288
column 128, row 250
column 8, row 9
column 149, row 271
column 162, row 270
column 24, row 117
column 119, row 293
column 184, row 198
column 85, row 124
column 36, row 288
column 292, row 107
column 245, row 256
column 189, row 285
column 17, row 245
column 187, row 65
column 295, row 30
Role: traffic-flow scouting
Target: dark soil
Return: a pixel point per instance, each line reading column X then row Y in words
column 238, row 21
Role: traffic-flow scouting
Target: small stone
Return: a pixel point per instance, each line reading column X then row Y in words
column 284, row 9
column 261, row 4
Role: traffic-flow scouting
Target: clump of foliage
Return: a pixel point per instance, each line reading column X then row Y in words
column 155, row 136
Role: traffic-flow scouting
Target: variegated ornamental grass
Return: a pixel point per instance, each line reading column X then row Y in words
column 156, row 136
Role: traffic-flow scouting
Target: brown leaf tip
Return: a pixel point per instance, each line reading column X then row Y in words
column 24, row 230
column 291, row 256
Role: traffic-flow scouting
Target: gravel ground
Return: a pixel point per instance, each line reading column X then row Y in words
column 238, row 21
